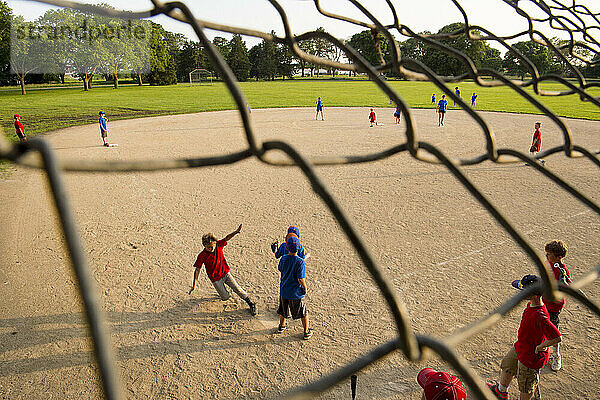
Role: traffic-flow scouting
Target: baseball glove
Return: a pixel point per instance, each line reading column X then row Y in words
column 274, row 246
column 532, row 149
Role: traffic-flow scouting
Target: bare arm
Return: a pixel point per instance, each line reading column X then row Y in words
column 196, row 272
column 302, row 283
column 232, row 234
column 547, row 343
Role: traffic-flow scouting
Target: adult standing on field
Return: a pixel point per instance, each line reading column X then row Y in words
column 319, row 109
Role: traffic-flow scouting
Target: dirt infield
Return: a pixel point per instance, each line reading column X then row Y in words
column 446, row 257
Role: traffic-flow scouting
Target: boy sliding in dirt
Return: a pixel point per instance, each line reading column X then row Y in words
column 217, row 269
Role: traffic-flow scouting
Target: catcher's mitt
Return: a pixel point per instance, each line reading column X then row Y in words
column 532, row 149
column 274, row 246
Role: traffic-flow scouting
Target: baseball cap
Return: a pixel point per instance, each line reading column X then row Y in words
column 292, row 244
column 440, row 385
column 17, row 116
column 294, row 230
column 525, row 281
column 101, row 112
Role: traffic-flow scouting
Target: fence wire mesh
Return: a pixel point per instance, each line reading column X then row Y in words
column 574, row 19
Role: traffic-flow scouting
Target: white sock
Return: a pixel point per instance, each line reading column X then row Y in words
column 502, row 388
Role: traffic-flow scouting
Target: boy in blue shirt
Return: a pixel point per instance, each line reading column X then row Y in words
column 433, row 98
column 473, row 98
column 457, row 93
column 282, row 250
column 292, row 288
column 103, row 121
column 319, row 109
column 441, row 109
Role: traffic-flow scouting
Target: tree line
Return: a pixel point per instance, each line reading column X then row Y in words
column 160, row 57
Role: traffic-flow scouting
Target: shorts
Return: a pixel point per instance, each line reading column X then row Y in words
column 397, row 115
column 554, row 318
column 319, row 108
column 20, row 135
column 442, row 111
column 296, row 306
column 527, row 378
column 229, row 281
column 103, row 133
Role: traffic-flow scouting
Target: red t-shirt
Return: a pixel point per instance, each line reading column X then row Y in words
column 19, row 127
column 216, row 266
column 534, row 330
column 537, row 139
column 372, row 116
column 556, row 306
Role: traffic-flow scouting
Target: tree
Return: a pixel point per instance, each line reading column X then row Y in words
column 162, row 66
column 268, row 62
column 5, row 21
column 284, row 61
column 254, row 56
column 237, row 58
column 368, row 44
column 24, row 49
column 306, row 46
column 537, row 53
column 446, row 64
column 189, row 58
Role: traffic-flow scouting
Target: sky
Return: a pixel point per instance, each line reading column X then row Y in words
column 419, row 15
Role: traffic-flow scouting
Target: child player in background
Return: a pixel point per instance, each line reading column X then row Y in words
column 433, row 98
column 319, row 109
column 19, row 129
column 441, row 109
column 536, row 143
column 103, row 121
column 473, row 98
column 398, row 114
column 373, row 118
column 457, row 93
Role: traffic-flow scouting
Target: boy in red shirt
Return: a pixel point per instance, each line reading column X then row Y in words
column 217, row 269
column 19, row 129
column 536, row 143
column 555, row 251
column 372, row 118
column 529, row 353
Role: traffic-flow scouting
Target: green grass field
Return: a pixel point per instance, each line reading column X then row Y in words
column 48, row 110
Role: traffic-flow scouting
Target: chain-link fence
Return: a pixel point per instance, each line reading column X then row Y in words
column 573, row 19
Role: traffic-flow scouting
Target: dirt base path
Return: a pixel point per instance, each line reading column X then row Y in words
column 444, row 255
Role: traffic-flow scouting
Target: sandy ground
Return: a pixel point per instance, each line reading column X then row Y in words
column 444, row 255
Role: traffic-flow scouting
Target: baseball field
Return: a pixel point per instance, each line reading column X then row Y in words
column 447, row 259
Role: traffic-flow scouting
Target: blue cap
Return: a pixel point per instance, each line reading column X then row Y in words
column 526, row 281
column 294, row 230
column 101, row 112
column 292, row 244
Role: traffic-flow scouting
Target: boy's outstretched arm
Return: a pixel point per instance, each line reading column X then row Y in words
column 232, row 234
column 196, row 272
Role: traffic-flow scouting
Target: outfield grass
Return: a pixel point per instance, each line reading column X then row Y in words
column 47, row 110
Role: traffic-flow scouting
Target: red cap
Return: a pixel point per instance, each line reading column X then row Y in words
column 17, row 116
column 441, row 385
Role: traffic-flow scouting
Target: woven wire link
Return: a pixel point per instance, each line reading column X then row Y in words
column 559, row 16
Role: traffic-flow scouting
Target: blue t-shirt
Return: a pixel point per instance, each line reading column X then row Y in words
column 433, row 98
column 473, row 97
column 442, row 105
column 319, row 104
column 103, row 124
column 457, row 92
column 398, row 110
column 282, row 250
column 292, row 268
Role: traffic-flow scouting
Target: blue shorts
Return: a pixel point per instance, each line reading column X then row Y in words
column 319, row 108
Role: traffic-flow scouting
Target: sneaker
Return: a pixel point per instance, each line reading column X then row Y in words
column 281, row 328
column 308, row 334
column 253, row 309
column 494, row 388
column 543, row 162
column 556, row 362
